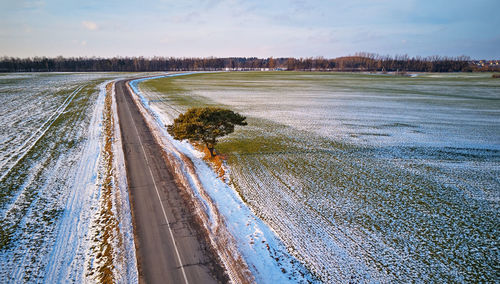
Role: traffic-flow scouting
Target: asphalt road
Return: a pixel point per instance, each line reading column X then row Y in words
column 169, row 249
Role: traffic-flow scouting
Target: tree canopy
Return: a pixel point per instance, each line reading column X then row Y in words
column 205, row 125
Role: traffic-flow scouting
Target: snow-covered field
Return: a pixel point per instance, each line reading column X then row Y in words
column 361, row 178
column 364, row 178
column 51, row 168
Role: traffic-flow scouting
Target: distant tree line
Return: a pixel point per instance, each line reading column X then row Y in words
column 357, row 63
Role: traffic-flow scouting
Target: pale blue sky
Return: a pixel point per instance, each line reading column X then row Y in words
column 259, row 28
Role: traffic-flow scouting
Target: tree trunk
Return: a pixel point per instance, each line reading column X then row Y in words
column 211, row 150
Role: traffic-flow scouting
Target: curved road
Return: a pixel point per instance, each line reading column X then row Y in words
column 169, row 249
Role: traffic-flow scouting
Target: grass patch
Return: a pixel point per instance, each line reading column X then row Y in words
column 166, row 85
column 5, row 236
column 216, row 162
column 169, row 90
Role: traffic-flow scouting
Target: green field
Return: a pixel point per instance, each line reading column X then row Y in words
column 363, row 176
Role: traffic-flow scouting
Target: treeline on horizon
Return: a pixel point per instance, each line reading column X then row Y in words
column 357, row 63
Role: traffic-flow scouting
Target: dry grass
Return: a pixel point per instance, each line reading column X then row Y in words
column 217, row 162
column 107, row 224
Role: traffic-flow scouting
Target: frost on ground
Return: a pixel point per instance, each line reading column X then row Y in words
column 365, row 178
column 242, row 240
column 52, row 173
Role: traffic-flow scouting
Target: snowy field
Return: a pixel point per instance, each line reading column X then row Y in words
column 365, row 178
column 248, row 248
column 50, row 178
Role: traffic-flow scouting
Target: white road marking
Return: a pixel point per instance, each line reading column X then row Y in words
column 159, row 199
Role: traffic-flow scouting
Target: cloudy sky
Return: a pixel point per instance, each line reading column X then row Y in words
column 261, row 28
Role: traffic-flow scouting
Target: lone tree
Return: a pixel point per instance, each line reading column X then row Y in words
column 205, row 125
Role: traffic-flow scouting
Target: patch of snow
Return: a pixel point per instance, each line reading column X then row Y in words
column 68, row 256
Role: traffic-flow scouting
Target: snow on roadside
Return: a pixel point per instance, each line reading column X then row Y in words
column 258, row 245
column 111, row 257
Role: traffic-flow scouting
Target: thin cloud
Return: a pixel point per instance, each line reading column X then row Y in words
column 299, row 28
column 33, row 4
column 91, row 26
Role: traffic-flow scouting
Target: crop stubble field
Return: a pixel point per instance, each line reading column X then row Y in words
column 364, row 177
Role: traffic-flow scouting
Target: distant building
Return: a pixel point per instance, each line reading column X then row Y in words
column 486, row 63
